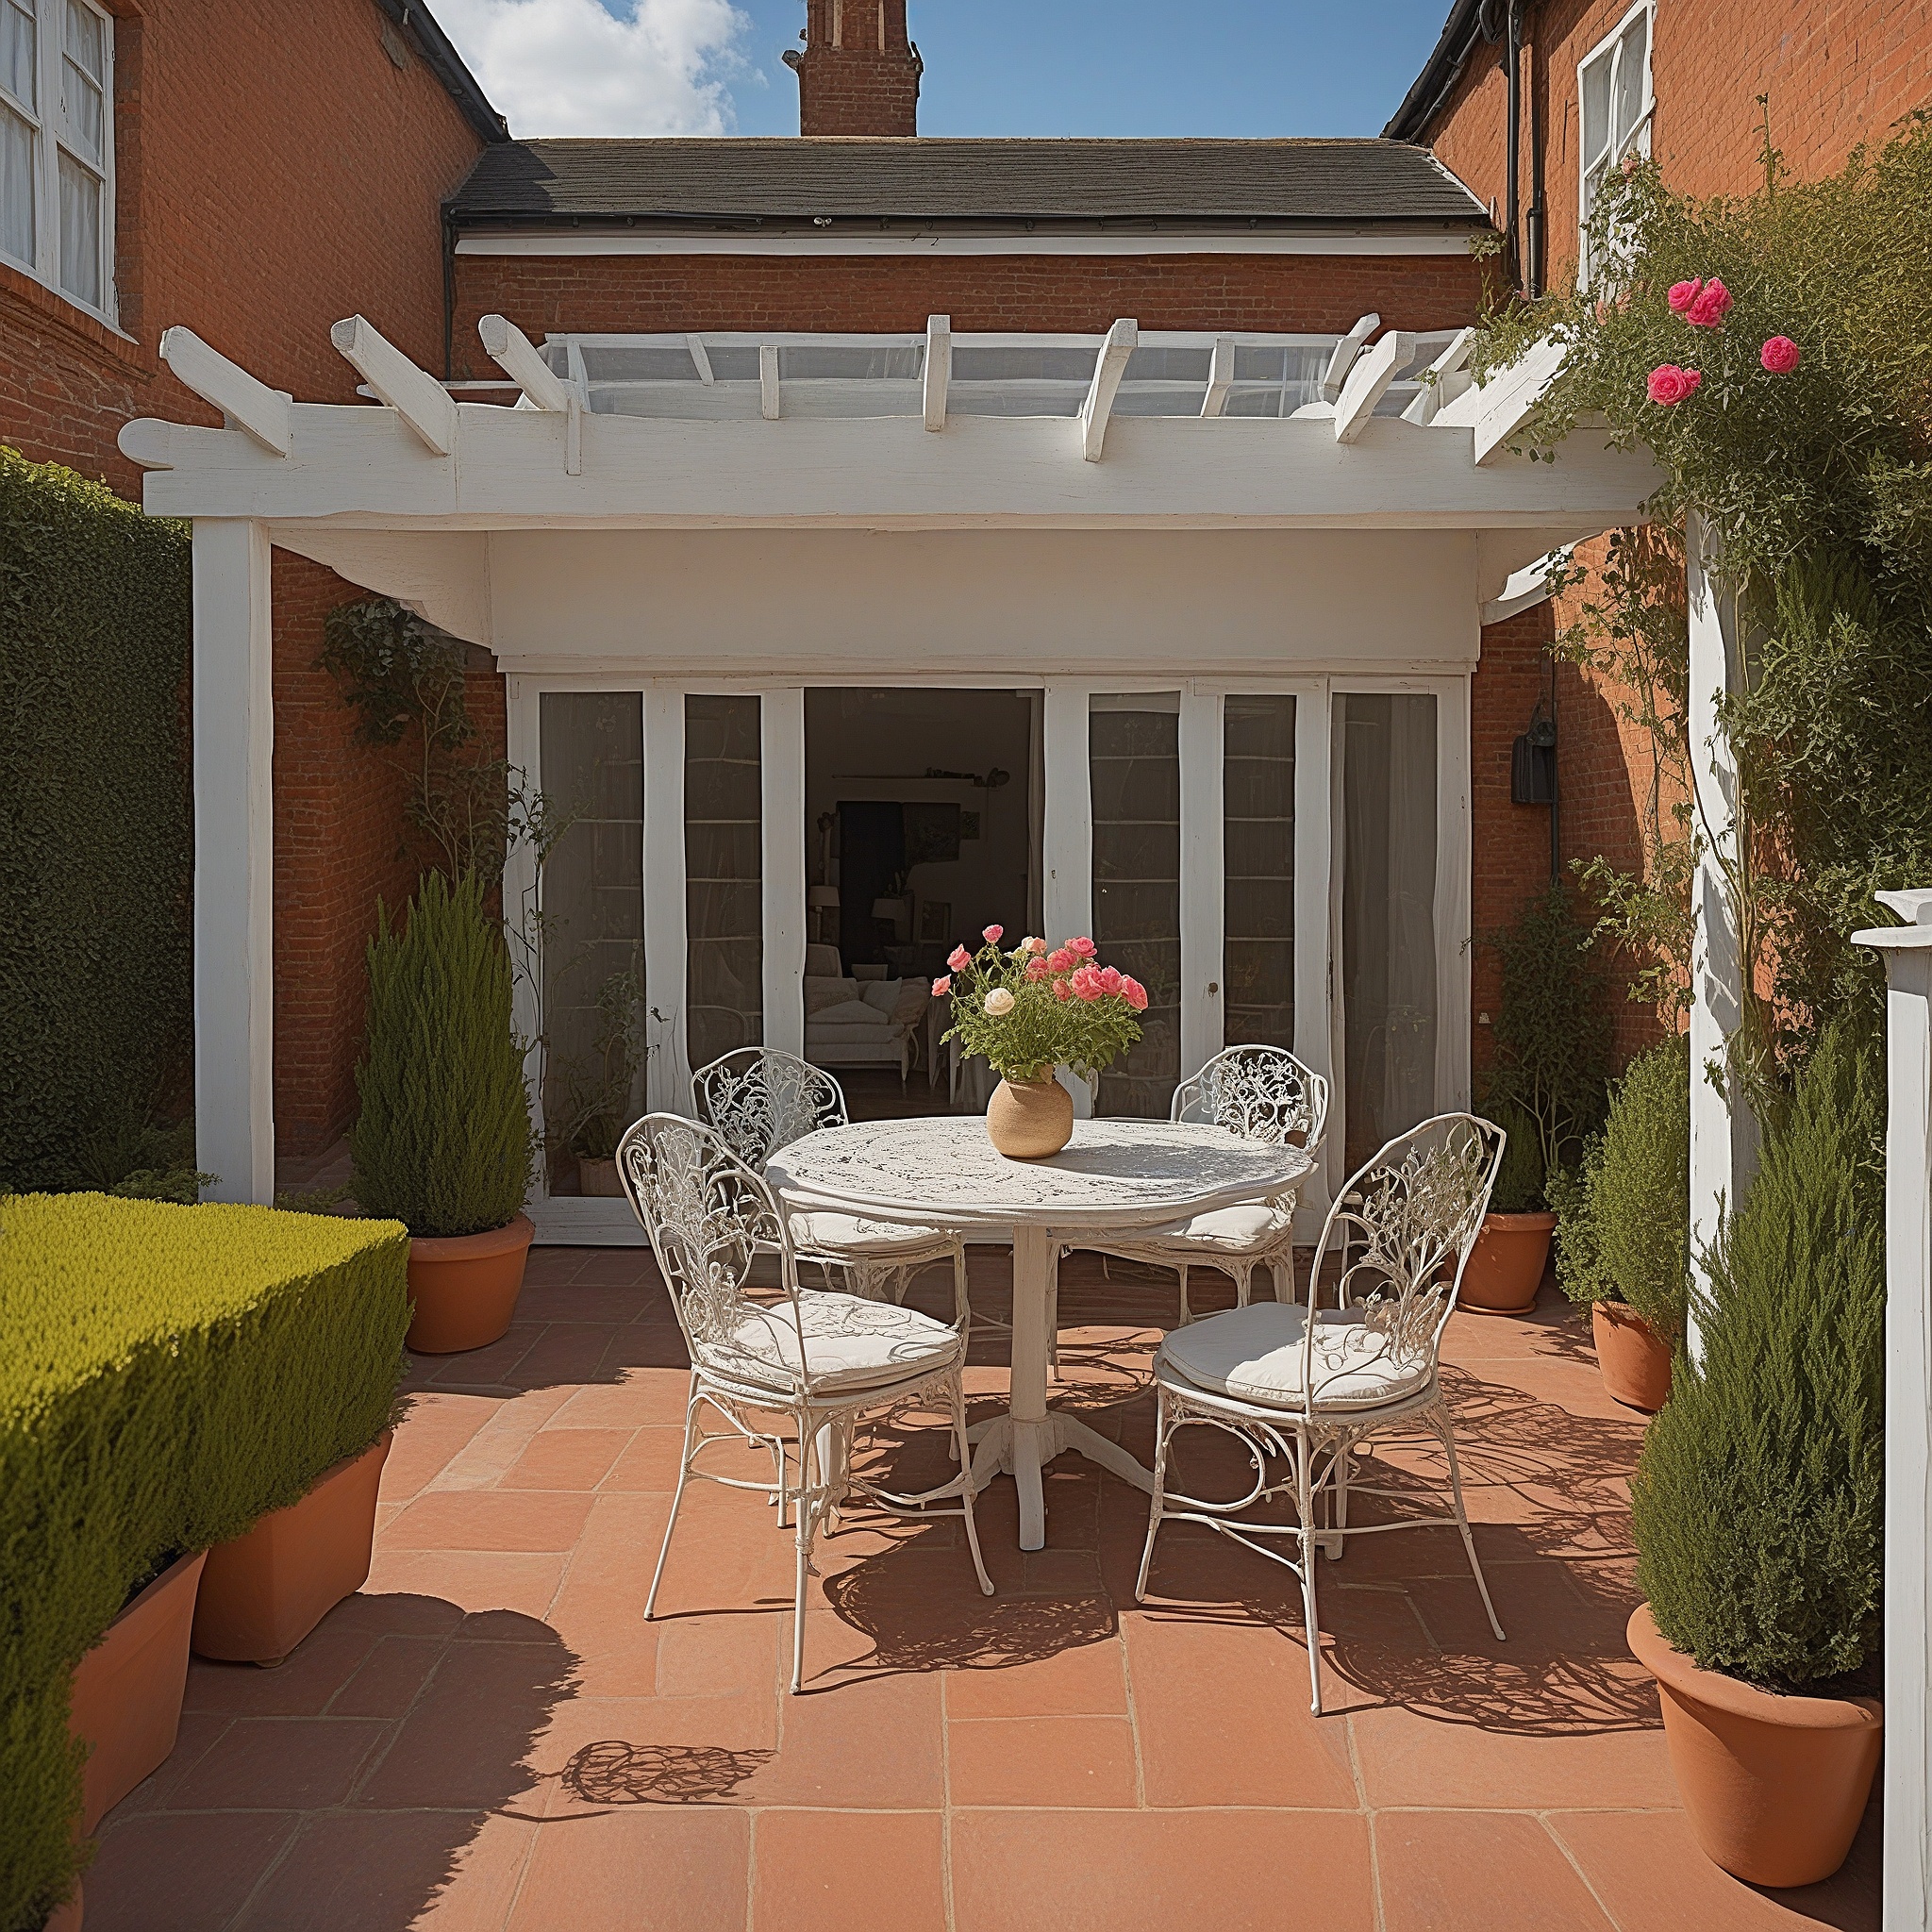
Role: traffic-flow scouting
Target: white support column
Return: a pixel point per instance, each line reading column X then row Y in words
column 1203, row 875
column 523, row 746
column 1455, row 859
column 781, row 759
column 1314, row 941
column 1067, row 838
column 1724, row 1136
column 1906, row 1885
column 669, row 1084
column 234, row 860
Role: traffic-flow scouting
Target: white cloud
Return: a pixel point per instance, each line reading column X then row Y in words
column 577, row 67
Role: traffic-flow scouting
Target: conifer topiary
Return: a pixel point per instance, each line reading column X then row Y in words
column 1758, row 1500
column 444, row 1143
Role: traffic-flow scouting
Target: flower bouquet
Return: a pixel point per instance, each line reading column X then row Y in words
column 1028, row 1012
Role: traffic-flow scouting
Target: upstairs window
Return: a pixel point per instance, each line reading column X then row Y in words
column 1615, row 106
column 57, row 147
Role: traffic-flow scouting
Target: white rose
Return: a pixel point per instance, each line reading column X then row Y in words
column 999, row 1003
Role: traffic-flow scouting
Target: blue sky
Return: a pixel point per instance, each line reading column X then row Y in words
column 1108, row 67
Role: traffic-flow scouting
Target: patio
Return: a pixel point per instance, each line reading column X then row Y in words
column 489, row 1736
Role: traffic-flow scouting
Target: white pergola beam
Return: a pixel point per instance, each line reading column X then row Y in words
column 1123, row 339
column 701, row 359
column 939, row 368
column 1368, row 381
column 1444, row 380
column 1347, row 350
column 771, row 398
column 1220, row 377
column 246, row 404
column 418, row 398
column 514, row 352
column 1501, row 408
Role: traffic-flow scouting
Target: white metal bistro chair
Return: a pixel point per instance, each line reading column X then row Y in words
column 1259, row 1093
column 1308, row 1394
column 760, row 1099
column 825, row 1361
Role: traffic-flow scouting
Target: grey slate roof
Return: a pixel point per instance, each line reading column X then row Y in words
column 546, row 183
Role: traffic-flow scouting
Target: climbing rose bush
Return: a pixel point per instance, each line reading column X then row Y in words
column 1040, row 1007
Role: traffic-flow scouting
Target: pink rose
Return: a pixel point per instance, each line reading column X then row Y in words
column 1683, row 294
column 1085, row 949
column 1109, row 979
column 1035, row 968
column 1061, row 959
column 1031, row 945
column 1710, row 308
column 1779, row 355
column 959, row 958
column 1086, row 984
column 1669, row 384
column 993, row 934
column 1060, row 990
column 940, row 988
column 1134, row 992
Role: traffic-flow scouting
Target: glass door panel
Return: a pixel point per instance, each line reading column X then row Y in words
column 1257, row 848
column 724, row 943
column 1386, row 742
column 591, row 929
column 1135, row 776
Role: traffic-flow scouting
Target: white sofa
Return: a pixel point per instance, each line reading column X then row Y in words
column 859, row 1022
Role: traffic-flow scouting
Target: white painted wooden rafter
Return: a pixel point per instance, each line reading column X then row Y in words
column 1368, row 382
column 249, row 406
column 417, row 397
column 701, row 359
column 1220, row 377
column 1347, row 350
column 769, row 396
column 519, row 358
column 1502, row 407
column 939, row 369
column 1123, row 339
column 1444, row 380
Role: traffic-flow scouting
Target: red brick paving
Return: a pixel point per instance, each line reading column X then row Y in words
column 490, row 1737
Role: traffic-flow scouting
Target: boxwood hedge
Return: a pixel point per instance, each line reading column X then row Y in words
column 167, row 1374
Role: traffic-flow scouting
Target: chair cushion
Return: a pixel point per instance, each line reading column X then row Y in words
column 849, row 1343
column 826, row 1233
column 1252, row 1224
column 1255, row 1355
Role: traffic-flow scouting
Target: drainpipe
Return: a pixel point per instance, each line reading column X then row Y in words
column 1512, row 63
column 1536, row 223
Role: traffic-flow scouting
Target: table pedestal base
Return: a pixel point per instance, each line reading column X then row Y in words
column 1006, row 1447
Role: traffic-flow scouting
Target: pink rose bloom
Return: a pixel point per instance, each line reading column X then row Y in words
column 1779, row 355
column 1035, row 945
column 1669, row 384
column 1086, row 984
column 1134, row 992
column 1035, row 968
column 1084, row 948
column 959, row 958
column 1109, row 979
column 1710, row 308
column 940, row 988
column 992, row 935
column 1683, row 294
column 1061, row 959
column 1060, row 990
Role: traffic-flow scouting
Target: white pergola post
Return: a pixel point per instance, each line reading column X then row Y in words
column 234, row 842
column 1723, row 1133
column 1906, row 1885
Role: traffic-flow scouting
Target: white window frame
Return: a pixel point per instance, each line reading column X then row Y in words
column 1611, row 50
column 48, row 119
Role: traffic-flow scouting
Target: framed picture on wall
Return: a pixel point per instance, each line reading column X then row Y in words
column 935, row 922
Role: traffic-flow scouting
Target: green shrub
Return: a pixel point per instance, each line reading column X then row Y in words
column 1625, row 1216
column 443, row 1142
column 1759, row 1497
column 96, row 826
column 167, row 1375
column 1521, row 1181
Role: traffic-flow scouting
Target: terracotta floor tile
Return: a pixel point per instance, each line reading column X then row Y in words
column 1489, row 1872
column 629, row 1267
column 198, row 1732
column 469, row 1580
column 175, row 1874
column 1042, row 1760
column 648, row 1396
column 651, row 1460
column 1648, row 1870
column 395, row 1613
column 848, row 1871
column 318, row 1667
column 383, row 1872
column 475, row 1368
column 873, row 1745
column 708, row 1657
column 566, row 1351
column 485, row 1520
column 1153, row 1871
column 387, row 1681
column 566, row 1459
column 281, row 1764
column 688, row 1865
column 1085, row 1680
column 600, row 1751
column 587, row 1301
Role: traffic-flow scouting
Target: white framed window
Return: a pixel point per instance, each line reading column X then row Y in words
column 1614, row 104
column 57, row 147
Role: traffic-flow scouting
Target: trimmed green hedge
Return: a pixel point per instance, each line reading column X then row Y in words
column 96, row 826
column 167, row 1375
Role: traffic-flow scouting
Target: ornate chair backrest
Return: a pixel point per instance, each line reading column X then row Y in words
column 1259, row 1092
column 707, row 1214
column 759, row 1100
column 1402, row 1228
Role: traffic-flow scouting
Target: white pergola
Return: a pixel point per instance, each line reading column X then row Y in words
column 407, row 494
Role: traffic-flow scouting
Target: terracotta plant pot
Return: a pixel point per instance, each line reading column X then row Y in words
column 1635, row 1360
column 1774, row 1787
column 598, row 1177
column 1506, row 1266
column 127, row 1690
column 263, row 1592
column 1028, row 1120
column 465, row 1287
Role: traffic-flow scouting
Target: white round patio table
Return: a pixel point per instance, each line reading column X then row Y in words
column 1113, row 1174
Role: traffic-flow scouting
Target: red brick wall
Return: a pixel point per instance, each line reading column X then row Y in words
column 866, row 85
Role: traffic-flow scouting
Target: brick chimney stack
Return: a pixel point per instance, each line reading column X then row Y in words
column 858, row 73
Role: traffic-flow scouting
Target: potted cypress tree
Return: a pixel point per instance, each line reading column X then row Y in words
column 443, row 1142
column 1623, row 1241
column 1758, row 1502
